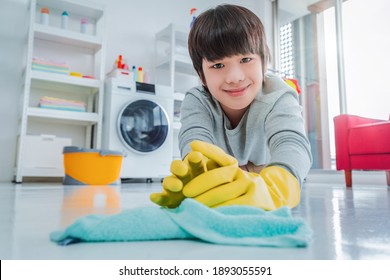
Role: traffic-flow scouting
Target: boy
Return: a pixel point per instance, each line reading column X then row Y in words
column 252, row 116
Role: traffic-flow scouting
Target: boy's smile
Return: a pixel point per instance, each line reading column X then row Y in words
column 235, row 92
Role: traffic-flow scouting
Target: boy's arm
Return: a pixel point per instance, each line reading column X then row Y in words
column 197, row 122
column 287, row 141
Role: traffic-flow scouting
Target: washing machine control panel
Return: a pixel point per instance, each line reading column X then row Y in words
column 126, row 86
column 144, row 87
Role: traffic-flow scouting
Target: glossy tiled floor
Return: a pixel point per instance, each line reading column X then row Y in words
column 347, row 223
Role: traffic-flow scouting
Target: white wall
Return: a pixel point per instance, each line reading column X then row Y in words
column 13, row 35
column 131, row 26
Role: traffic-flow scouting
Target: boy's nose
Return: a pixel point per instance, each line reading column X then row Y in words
column 234, row 75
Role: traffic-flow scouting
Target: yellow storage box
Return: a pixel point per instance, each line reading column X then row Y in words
column 91, row 166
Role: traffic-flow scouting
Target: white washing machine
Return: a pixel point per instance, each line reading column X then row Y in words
column 137, row 120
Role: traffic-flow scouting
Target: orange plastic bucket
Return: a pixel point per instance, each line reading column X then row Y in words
column 91, row 166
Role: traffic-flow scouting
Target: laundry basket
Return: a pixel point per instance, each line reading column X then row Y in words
column 91, row 166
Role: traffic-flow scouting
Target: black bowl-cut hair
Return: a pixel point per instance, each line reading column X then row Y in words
column 225, row 31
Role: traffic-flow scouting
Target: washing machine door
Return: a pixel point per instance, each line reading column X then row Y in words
column 143, row 125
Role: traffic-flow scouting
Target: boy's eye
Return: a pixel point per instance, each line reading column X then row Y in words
column 246, row 59
column 217, row 66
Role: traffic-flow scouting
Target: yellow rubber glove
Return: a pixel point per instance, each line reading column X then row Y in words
column 229, row 185
column 193, row 165
column 182, row 172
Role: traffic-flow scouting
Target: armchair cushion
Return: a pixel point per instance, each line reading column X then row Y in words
column 371, row 138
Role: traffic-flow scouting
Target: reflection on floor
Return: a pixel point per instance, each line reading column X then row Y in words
column 351, row 223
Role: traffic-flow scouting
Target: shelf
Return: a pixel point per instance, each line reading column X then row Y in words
column 85, row 8
column 47, row 77
column 84, row 51
column 64, row 83
column 174, row 68
column 81, row 118
column 66, row 37
column 42, row 172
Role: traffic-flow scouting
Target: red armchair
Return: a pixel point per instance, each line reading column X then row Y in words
column 362, row 144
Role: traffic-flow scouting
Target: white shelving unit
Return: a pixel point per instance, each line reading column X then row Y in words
column 174, row 68
column 84, row 53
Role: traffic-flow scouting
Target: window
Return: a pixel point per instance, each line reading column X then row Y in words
column 287, row 51
column 366, row 62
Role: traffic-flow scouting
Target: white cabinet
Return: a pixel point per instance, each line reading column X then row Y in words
column 174, row 68
column 82, row 54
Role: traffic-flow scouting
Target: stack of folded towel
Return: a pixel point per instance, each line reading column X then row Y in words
column 61, row 104
column 47, row 65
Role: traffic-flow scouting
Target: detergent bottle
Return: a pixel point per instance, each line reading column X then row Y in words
column 64, row 20
column 135, row 73
column 84, row 25
column 140, row 76
column 45, row 16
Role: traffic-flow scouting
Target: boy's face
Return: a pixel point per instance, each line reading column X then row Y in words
column 234, row 81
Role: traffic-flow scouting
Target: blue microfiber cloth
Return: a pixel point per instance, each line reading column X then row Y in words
column 233, row 225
